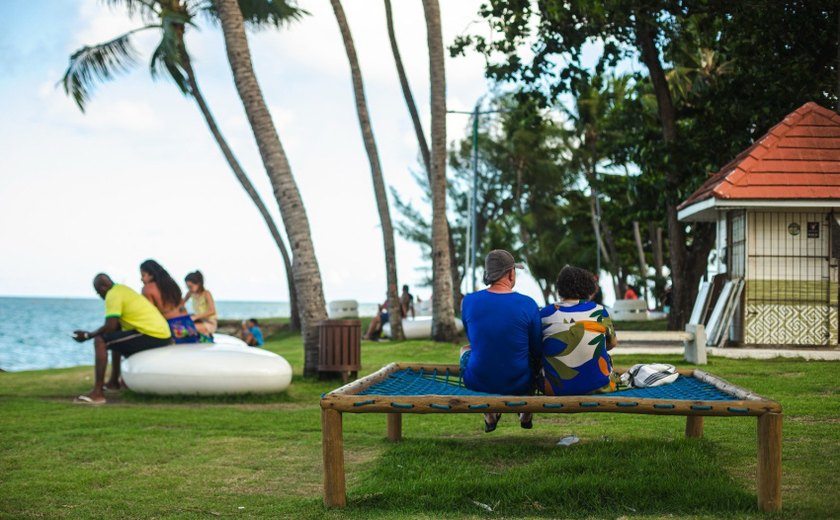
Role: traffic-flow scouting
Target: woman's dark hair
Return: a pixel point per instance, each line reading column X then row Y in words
column 575, row 283
column 197, row 278
column 170, row 293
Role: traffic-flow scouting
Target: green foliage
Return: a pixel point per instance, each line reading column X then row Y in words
column 90, row 65
column 732, row 70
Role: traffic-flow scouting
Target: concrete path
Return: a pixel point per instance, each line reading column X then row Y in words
column 732, row 353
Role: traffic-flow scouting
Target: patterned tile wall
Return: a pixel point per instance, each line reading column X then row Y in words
column 786, row 324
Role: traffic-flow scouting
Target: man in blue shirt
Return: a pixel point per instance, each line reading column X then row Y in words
column 505, row 336
column 251, row 333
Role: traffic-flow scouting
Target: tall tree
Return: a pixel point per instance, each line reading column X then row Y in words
column 425, row 154
column 769, row 59
column 443, row 312
column 101, row 62
column 304, row 265
column 589, row 143
column 394, row 307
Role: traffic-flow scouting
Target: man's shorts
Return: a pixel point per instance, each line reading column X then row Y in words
column 128, row 342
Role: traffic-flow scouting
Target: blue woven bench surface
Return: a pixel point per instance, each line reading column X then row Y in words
column 409, row 382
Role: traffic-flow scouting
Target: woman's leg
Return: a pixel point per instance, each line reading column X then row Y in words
column 201, row 327
column 374, row 326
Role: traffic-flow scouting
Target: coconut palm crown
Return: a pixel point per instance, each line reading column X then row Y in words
column 102, row 62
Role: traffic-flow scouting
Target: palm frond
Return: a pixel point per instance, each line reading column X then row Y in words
column 260, row 14
column 99, row 63
column 170, row 53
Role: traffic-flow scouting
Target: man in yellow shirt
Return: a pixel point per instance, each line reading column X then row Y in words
column 132, row 324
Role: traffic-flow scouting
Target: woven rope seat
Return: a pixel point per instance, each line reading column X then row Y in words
column 401, row 388
column 408, row 382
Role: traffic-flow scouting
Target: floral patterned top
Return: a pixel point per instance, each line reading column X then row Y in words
column 575, row 359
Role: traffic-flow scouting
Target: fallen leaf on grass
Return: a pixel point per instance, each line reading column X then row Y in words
column 483, row 506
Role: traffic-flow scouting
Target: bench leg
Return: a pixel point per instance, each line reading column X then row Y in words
column 395, row 427
column 694, row 426
column 333, row 447
column 770, row 462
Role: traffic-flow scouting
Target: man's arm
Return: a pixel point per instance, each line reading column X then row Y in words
column 112, row 324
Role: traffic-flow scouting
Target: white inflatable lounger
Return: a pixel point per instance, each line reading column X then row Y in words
column 420, row 328
column 228, row 366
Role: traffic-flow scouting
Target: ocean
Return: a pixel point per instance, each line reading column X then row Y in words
column 35, row 333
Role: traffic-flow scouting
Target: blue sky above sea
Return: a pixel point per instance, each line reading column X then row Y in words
column 138, row 175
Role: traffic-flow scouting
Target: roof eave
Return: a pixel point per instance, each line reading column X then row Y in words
column 706, row 210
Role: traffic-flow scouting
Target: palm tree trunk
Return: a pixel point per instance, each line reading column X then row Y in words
column 294, row 316
column 421, row 140
column 307, row 275
column 409, row 98
column 443, row 315
column 394, row 308
column 640, row 250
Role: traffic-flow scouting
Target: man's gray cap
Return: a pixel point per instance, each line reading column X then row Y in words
column 497, row 263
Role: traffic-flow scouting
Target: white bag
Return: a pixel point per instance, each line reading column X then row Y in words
column 654, row 374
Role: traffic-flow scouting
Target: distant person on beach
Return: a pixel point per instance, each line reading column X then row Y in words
column 667, row 299
column 164, row 293
column 204, row 307
column 406, row 302
column 132, row 324
column 503, row 328
column 577, row 334
column 375, row 328
column 251, row 333
column 630, row 293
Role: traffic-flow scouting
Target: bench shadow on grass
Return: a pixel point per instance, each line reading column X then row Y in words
column 534, row 477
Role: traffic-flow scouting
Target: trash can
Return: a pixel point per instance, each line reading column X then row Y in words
column 339, row 348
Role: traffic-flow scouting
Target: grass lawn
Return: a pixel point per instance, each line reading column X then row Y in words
column 260, row 456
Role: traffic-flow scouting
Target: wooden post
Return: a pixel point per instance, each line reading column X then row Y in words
column 769, row 474
column 333, row 447
column 694, row 426
column 395, row 427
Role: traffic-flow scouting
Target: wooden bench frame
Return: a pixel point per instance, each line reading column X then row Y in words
column 745, row 403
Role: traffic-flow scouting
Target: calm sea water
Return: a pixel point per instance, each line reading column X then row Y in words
column 35, row 333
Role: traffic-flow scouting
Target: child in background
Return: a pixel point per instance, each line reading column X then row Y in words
column 251, row 333
column 204, row 307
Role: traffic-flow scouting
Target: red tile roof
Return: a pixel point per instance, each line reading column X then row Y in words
column 797, row 159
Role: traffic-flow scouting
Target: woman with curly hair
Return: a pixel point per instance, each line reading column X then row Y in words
column 577, row 335
column 164, row 293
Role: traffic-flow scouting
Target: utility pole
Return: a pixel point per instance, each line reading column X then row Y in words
column 471, row 245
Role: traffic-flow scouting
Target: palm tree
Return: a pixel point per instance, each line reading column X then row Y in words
column 592, row 106
column 92, row 64
column 421, row 138
column 394, row 308
column 443, row 315
column 305, row 265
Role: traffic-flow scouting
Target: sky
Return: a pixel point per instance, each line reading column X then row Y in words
column 139, row 176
